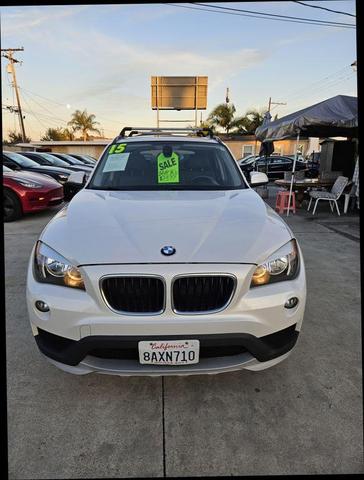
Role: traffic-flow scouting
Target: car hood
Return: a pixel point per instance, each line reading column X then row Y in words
column 99, row 227
column 32, row 177
column 79, row 168
column 46, row 168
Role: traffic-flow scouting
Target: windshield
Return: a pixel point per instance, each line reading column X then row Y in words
column 54, row 160
column 85, row 160
column 248, row 160
column 69, row 159
column 166, row 165
column 21, row 160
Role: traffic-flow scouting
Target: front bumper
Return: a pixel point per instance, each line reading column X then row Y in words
column 35, row 200
column 80, row 322
column 119, row 354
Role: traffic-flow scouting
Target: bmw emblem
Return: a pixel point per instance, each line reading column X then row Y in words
column 168, row 250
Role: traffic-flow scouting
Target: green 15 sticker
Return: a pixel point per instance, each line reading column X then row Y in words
column 117, row 148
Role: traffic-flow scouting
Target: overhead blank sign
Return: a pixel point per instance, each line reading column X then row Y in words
column 179, row 93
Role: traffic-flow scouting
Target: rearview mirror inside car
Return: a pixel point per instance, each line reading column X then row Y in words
column 258, row 178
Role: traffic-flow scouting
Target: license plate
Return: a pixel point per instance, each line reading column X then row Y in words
column 169, row 352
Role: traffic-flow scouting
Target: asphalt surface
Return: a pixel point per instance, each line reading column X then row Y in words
column 303, row 416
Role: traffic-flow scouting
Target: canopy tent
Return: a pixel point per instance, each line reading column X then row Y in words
column 334, row 117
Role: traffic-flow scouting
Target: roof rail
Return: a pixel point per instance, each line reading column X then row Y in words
column 200, row 132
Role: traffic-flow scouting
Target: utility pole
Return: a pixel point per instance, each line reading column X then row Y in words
column 227, row 99
column 8, row 53
column 270, row 103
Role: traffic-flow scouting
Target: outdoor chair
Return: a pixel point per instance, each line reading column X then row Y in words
column 349, row 196
column 332, row 196
column 329, row 176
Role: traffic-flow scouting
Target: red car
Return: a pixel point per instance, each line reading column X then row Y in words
column 26, row 192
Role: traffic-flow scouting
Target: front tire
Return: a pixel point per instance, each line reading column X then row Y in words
column 12, row 206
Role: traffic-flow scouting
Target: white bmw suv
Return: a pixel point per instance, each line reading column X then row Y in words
column 166, row 262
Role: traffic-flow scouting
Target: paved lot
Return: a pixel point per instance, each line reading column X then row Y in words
column 303, row 416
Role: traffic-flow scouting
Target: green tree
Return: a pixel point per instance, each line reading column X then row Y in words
column 15, row 137
column 54, row 134
column 84, row 123
column 222, row 116
column 207, row 124
column 248, row 123
column 69, row 133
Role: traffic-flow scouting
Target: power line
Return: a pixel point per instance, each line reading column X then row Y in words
column 323, row 8
column 62, row 105
column 318, row 92
column 267, row 14
column 52, row 116
column 44, row 98
column 32, row 113
column 317, row 84
column 327, row 84
column 47, row 110
column 272, row 16
column 256, row 16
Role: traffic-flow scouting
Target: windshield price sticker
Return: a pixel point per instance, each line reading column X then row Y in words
column 117, row 148
column 168, row 168
column 116, row 162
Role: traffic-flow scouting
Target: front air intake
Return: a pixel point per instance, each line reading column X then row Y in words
column 135, row 295
column 202, row 293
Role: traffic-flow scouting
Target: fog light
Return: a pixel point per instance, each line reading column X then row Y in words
column 291, row 302
column 41, row 306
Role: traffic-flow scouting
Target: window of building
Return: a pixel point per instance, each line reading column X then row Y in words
column 247, row 150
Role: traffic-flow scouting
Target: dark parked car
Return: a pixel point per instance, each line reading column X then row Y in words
column 16, row 161
column 25, row 192
column 86, row 159
column 44, row 158
column 72, row 161
column 274, row 165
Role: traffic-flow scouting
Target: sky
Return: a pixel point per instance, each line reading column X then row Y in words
column 101, row 58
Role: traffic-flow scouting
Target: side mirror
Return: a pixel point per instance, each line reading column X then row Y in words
column 258, row 178
column 74, row 184
column 78, row 179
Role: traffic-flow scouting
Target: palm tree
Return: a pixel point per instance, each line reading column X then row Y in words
column 69, row 133
column 15, row 137
column 248, row 123
column 54, row 134
column 222, row 116
column 83, row 122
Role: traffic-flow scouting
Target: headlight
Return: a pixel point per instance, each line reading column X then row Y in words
column 51, row 267
column 282, row 265
column 28, row 184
